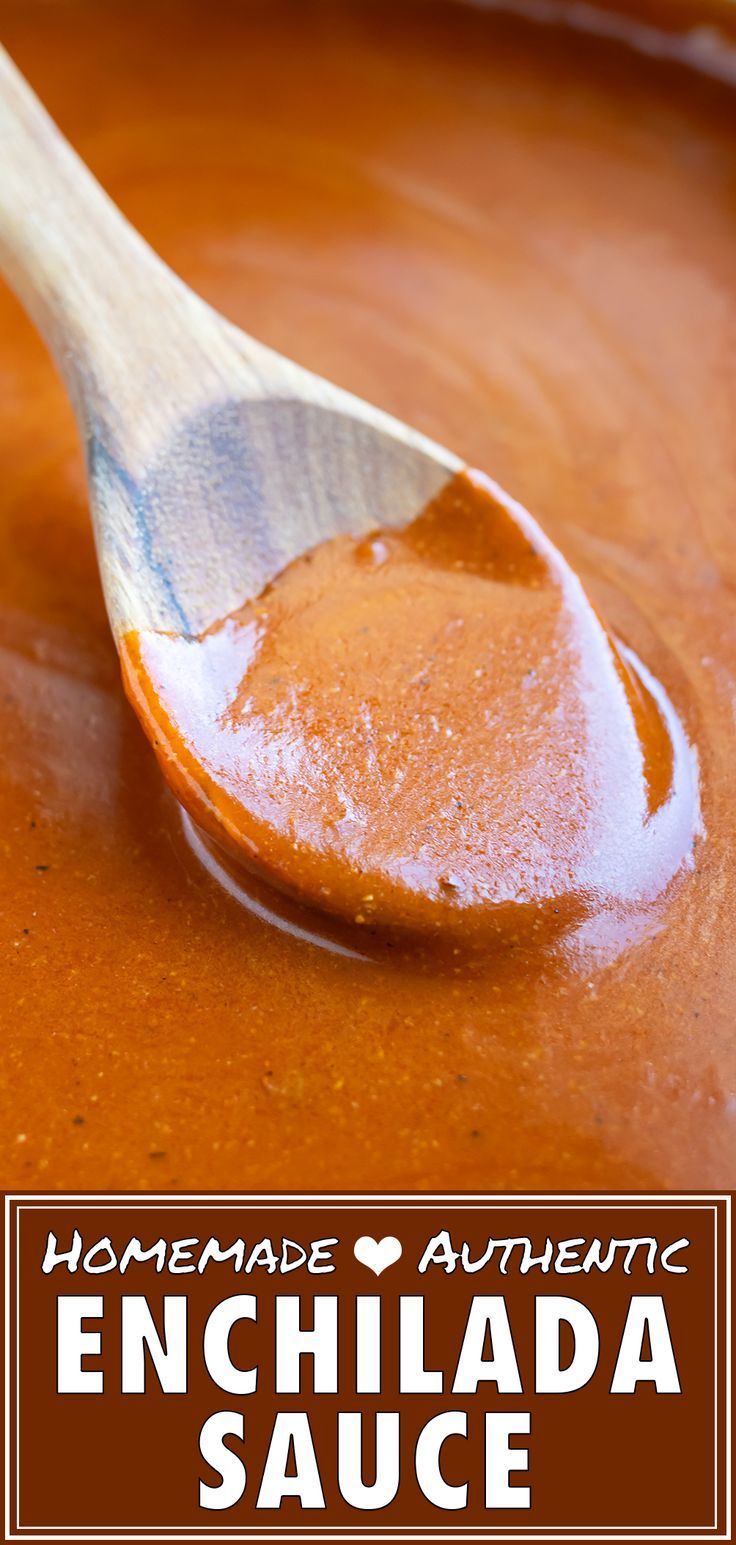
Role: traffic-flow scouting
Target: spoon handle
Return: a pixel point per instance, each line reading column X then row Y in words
column 134, row 345
column 65, row 249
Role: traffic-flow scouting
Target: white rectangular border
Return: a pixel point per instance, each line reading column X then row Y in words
column 418, row 1201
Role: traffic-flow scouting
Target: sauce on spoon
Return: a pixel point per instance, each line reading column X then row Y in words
column 428, row 729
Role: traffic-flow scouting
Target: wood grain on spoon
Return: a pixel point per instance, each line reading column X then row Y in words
column 429, row 729
column 212, row 460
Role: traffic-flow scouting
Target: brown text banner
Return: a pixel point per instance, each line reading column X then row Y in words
column 367, row 1366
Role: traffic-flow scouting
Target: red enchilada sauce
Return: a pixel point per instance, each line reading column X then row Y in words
column 520, row 240
column 428, row 730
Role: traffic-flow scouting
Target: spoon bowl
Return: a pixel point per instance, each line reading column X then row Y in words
column 239, row 487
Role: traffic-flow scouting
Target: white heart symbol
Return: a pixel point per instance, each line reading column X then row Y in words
column 377, row 1254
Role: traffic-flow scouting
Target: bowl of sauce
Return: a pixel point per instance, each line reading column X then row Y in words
column 514, row 229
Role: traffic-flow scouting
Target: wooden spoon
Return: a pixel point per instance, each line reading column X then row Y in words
column 212, row 461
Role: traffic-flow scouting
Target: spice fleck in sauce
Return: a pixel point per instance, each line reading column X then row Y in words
column 521, row 241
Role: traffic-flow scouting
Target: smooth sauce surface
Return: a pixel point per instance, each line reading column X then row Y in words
column 521, row 242
column 428, row 731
